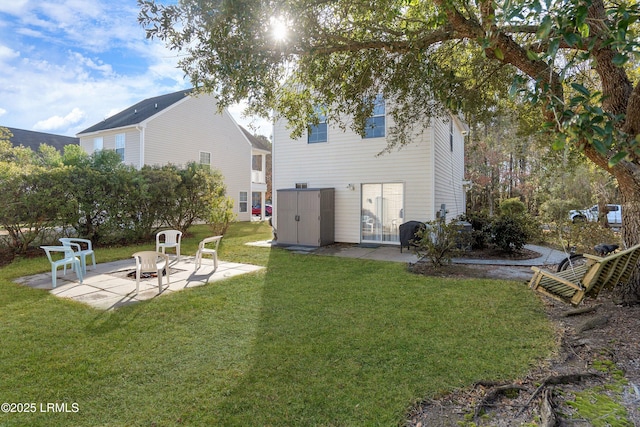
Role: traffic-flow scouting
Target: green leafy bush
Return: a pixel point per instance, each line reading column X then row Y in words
column 514, row 227
column 480, row 229
column 585, row 235
column 220, row 213
column 509, row 232
column 439, row 241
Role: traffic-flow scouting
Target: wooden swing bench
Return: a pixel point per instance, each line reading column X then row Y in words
column 573, row 284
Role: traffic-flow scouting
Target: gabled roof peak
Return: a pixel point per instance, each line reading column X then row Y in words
column 139, row 112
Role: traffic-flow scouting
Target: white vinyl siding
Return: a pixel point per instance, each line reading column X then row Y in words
column 449, row 167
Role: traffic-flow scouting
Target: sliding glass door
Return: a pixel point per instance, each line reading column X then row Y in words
column 382, row 211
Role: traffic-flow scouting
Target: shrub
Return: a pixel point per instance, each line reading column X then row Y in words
column 191, row 198
column 585, row 235
column 220, row 211
column 438, row 241
column 33, row 203
column 510, row 232
column 513, row 206
column 481, row 229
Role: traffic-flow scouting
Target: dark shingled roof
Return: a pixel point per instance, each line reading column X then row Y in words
column 255, row 142
column 139, row 112
column 32, row 139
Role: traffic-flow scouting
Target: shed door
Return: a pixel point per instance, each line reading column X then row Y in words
column 382, row 211
column 309, row 215
column 287, row 213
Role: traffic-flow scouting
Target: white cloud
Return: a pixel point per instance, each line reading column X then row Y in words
column 89, row 63
column 2, row 112
column 8, row 53
column 57, row 122
column 14, row 7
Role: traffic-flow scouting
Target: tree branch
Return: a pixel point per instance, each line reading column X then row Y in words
column 343, row 44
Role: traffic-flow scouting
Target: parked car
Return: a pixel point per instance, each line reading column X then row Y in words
column 614, row 214
column 255, row 209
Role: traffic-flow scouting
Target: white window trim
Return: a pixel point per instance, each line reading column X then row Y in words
column 379, row 100
column 243, row 205
column 121, row 144
column 200, row 158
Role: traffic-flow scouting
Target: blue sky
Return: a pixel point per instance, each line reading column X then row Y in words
column 67, row 64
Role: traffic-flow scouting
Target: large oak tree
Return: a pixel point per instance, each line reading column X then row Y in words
column 576, row 59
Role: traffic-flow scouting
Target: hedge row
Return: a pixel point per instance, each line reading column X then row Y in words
column 46, row 195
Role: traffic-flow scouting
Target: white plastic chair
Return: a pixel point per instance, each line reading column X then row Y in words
column 151, row 262
column 171, row 239
column 69, row 259
column 204, row 250
column 77, row 245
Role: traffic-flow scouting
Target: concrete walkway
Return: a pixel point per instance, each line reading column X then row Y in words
column 108, row 286
column 392, row 253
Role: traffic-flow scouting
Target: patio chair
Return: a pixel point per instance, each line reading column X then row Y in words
column 68, row 259
column 78, row 245
column 151, row 262
column 169, row 239
column 573, row 284
column 204, row 250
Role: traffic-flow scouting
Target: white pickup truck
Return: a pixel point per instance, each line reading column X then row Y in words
column 614, row 216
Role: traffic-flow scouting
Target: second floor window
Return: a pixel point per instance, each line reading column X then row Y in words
column 205, row 159
column 318, row 133
column 256, row 162
column 120, row 145
column 375, row 125
column 98, row 144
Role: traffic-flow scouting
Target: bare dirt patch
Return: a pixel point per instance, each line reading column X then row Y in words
column 603, row 335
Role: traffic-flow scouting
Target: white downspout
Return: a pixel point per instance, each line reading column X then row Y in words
column 141, row 128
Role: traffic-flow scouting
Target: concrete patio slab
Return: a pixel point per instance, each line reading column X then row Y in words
column 109, row 285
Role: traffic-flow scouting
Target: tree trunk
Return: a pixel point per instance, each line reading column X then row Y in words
column 628, row 176
column 629, row 183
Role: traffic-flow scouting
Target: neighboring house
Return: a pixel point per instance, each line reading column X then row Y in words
column 33, row 140
column 260, row 177
column 374, row 193
column 182, row 127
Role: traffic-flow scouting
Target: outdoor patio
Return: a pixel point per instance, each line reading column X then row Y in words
column 108, row 286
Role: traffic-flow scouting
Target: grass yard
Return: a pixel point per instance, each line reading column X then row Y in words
column 310, row 341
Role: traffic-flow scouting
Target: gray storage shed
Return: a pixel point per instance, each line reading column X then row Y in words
column 305, row 216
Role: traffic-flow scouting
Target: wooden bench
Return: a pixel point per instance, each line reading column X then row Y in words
column 573, row 284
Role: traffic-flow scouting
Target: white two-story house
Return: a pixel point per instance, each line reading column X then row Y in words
column 182, row 127
column 374, row 193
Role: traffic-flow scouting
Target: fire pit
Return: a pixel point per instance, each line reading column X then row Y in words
column 145, row 275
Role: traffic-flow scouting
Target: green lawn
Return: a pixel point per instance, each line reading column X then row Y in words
column 310, row 341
